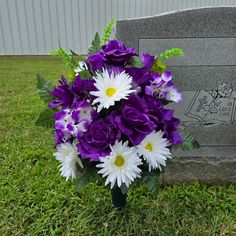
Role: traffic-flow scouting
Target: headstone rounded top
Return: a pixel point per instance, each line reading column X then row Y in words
column 200, row 22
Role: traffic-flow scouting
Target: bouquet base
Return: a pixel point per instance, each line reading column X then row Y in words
column 118, row 198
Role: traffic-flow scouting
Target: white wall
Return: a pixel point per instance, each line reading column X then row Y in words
column 36, row 26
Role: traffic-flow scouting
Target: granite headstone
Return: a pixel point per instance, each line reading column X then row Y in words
column 207, row 77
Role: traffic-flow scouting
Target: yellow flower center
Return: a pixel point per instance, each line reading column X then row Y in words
column 149, row 147
column 110, row 92
column 119, row 161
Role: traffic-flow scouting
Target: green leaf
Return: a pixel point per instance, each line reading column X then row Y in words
column 45, row 119
column 68, row 60
column 79, row 56
column 168, row 54
column 95, row 45
column 44, row 89
column 189, row 143
column 135, row 61
column 158, row 66
column 82, row 182
column 108, row 31
column 124, row 189
column 152, row 181
column 84, row 74
column 71, row 74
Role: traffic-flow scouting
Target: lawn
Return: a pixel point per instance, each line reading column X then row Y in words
column 36, row 200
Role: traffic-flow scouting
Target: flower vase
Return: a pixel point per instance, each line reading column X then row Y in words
column 118, row 198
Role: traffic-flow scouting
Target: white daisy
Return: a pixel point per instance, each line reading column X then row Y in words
column 121, row 165
column 154, row 149
column 67, row 154
column 82, row 65
column 111, row 88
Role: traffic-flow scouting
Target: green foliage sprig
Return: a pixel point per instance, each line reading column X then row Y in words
column 68, row 59
column 189, row 143
column 95, row 45
column 135, row 61
column 45, row 118
column 168, row 54
column 108, row 31
column 152, row 181
column 158, row 66
column 44, row 88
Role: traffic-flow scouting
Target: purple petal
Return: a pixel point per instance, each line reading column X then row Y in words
column 166, row 76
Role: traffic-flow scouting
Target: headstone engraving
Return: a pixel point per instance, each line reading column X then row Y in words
column 207, row 77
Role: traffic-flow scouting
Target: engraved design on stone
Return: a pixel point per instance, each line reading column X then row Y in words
column 212, row 108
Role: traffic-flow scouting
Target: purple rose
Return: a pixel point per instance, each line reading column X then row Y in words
column 64, row 95
column 115, row 52
column 115, row 69
column 97, row 140
column 95, row 62
column 155, row 108
column 134, row 120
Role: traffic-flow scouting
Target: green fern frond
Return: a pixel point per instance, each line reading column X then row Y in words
column 189, row 143
column 108, row 31
column 95, row 45
column 67, row 59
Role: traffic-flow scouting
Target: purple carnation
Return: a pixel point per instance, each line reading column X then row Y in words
column 81, row 88
column 116, row 52
column 140, row 75
column 61, row 137
column 64, row 95
column 163, row 87
column 75, row 122
column 134, row 120
column 171, row 129
column 95, row 62
column 164, row 119
column 96, row 141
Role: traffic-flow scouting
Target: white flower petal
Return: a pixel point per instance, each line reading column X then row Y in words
column 111, row 88
column 157, row 151
column 67, row 154
column 121, row 166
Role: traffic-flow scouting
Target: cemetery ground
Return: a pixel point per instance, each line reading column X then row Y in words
column 36, row 200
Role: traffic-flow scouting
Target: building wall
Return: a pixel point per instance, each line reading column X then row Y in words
column 33, row 27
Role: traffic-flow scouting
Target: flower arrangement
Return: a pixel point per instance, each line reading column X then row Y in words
column 110, row 120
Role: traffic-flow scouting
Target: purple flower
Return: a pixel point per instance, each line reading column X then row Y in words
column 115, row 69
column 162, row 87
column 155, row 108
column 61, row 137
column 81, row 88
column 96, row 141
column 64, row 95
column 140, row 75
column 75, row 122
column 134, row 120
column 170, row 127
column 164, row 120
column 95, row 62
column 62, row 120
column 115, row 52
column 148, row 61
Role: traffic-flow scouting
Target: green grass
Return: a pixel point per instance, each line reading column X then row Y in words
column 36, row 200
